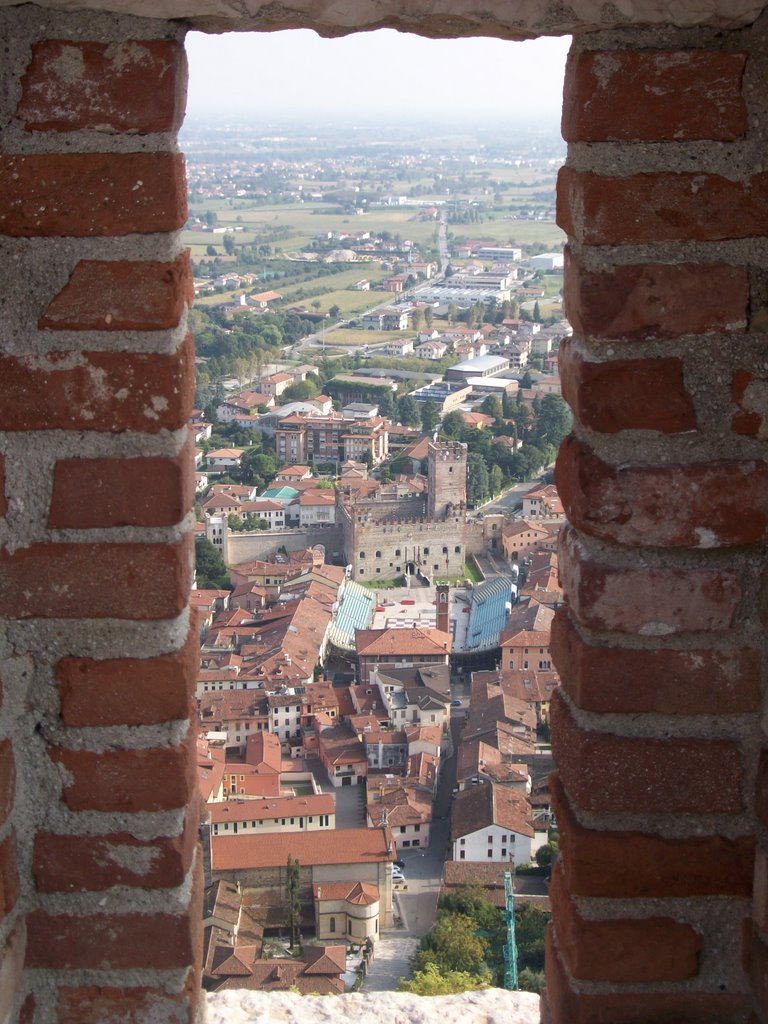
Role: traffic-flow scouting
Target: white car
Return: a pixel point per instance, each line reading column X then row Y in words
column 397, row 874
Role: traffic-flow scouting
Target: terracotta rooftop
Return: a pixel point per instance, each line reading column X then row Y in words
column 414, row 640
column 334, row 846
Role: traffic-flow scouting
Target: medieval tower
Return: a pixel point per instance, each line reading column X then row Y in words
column 447, row 476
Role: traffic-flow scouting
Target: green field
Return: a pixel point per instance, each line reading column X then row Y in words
column 347, row 336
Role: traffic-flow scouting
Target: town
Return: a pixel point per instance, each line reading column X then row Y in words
column 376, row 558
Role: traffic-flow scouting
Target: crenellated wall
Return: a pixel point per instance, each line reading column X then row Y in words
column 660, row 895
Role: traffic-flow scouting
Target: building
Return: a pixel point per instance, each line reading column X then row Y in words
column 492, row 823
column 347, row 911
column 400, row 648
column 480, row 366
column 623, row 213
column 332, row 438
column 543, row 503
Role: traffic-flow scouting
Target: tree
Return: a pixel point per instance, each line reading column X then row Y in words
column 553, row 421
column 210, row 568
column 492, row 407
column 300, row 390
column 408, row 411
column 432, row 982
column 228, row 241
column 546, row 854
column 292, row 897
column 536, row 312
column 452, row 944
column 210, row 250
column 335, row 311
column 386, row 405
column 531, row 981
column 478, row 479
column 496, row 479
column 430, row 416
column 452, row 425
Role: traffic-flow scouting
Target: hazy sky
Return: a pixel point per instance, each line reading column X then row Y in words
column 380, row 71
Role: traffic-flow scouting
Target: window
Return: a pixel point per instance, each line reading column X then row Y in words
column 397, row 554
column 426, row 551
column 445, row 550
column 402, row 829
column 378, row 554
column 362, row 554
column 490, row 853
column 417, row 828
column 461, row 842
column 462, row 855
column 332, row 924
column 457, row 549
column 349, row 927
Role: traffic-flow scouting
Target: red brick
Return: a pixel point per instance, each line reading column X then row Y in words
column 567, row 1005
column 127, row 781
column 110, row 941
column 760, row 890
column 645, row 949
column 128, row 691
column 626, row 394
column 651, row 301
column 11, row 970
column 761, row 787
column 700, row 505
column 138, row 1005
column 101, row 391
column 58, row 195
column 625, row 680
column 9, row 875
column 645, row 601
column 654, row 96
column 132, row 87
column 7, row 779
column 758, row 972
column 67, row 863
column 660, row 207
column 90, row 493
column 27, row 1011
column 119, row 295
column 636, row 865
column 750, row 394
column 96, row 581
column 3, row 502
column 606, row 772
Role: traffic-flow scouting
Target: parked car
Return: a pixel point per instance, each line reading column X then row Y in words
column 397, row 875
column 456, row 703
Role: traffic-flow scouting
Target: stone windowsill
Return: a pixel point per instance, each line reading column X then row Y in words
column 492, row 1006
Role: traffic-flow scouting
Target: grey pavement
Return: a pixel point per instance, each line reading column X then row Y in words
column 391, row 962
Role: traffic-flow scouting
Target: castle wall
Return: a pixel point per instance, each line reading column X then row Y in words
column 436, row 547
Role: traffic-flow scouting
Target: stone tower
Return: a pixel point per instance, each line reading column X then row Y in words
column 443, row 607
column 447, row 476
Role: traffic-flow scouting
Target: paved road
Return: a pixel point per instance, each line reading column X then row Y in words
column 391, row 962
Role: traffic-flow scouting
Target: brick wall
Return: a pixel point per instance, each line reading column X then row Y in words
column 657, row 733
column 660, row 895
column 100, row 891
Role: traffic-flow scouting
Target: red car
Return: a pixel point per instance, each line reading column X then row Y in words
column 407, row 600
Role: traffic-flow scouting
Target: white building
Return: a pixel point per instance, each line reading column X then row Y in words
column 493, row 823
